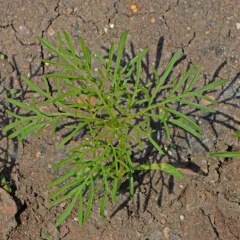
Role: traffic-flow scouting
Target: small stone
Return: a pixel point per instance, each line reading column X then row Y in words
column 138, row 234
column 9, row 42
column 174, row 237
column 24, row 31
column 157, row 235
column 29, row 58
column 163, row 221
column 25, row 66
column 206, row 102
column 153, row 20
column 52, row 230
column 13, row 33
column 42, row 9
column 166, row 233
column 76, row 27
column 238, row 26
column 111, row 25
column 159, row 22
column 38, row 154
column 64, row 230
column 37, row 95
column 182, row 217
column 69, row 11
column 134, row 8
column 177, row 205
column 151, row 9
column 51, row 31
column 169, row 55
column 62, row 204
column 105, row 29
column 150, row 220
column 8, row 209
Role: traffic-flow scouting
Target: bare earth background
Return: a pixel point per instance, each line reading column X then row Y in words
column 206, row 204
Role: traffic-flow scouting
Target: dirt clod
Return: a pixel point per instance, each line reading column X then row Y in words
column 8, row 209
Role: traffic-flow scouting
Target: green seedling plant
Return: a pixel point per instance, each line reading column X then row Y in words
column 48, row 235
column 110, row 106
column 5, row 185
column 227, row 154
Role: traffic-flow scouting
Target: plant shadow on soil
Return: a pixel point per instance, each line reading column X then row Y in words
column 149, row 153
column 9, row 159
column 210, row 118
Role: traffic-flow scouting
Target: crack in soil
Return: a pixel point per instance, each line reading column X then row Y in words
column 43, row 33
column 6, row 25
column 211, row 223
column 114, row 14
column 20, row 41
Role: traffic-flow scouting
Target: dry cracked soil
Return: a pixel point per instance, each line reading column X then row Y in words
column 205, row 205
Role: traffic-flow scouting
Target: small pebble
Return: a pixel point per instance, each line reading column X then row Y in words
column 29, row 58
column 25, row 66
column 174, row 237
column 51, row 31
column 153, row 20
column 9, row 42
column 206, row 102
column 157, row 235
column 134, row 8
column 163, row 221
column 105, row 29
column 76, row 27
column 166, row 233
column 159, row 22
column 138, row 234
column 111, row 25
column 177, row 205
column 182, row 217
column 24, row 31
column 62, row 204
column 69, row 11
column 238, row 26
column 169, row 55
column 42, row 10
column 38, row 154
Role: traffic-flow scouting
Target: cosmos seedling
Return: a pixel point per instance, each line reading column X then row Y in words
column 110, row 106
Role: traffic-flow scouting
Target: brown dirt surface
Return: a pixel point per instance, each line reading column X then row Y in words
column 206, row 203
